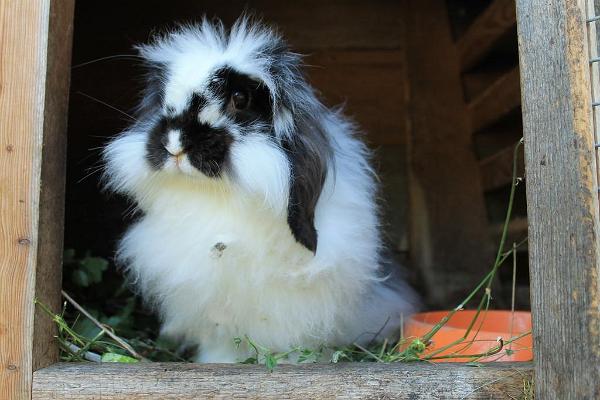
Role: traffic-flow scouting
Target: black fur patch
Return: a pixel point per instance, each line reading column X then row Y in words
column 226, row 81
column 206, row 147
column 308, row 155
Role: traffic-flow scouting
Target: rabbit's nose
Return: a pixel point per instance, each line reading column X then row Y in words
column 172, row 142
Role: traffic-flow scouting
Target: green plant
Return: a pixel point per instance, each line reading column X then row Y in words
column 112, row 312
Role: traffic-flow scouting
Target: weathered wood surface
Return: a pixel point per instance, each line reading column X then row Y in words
column 593, row 9
column 503, row 96
column 448, row 221
column 48, row 277
column 497, row 170
column 34, row 70
column 562, row 198
column 312, row 381
column 483, row 33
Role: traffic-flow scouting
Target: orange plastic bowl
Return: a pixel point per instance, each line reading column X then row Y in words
column 491, row 325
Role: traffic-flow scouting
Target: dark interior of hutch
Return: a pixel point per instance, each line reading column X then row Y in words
column 440, row 110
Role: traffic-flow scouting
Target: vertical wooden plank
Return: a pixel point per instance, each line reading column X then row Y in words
column 561, row 197
column 448, row 238
column 592, row 34
column 48, row 278
column 30, row 123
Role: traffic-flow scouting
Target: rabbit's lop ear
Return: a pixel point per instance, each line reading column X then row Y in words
column 308, row 152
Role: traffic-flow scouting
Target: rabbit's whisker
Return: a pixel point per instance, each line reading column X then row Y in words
column 113, row 57
column 107, row 105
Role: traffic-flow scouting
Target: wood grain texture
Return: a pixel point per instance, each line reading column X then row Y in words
column 562, row 198
column 503, row 96
column 481, row 36
column 312, row 381
column 497, row 170
column 448, row 232
column 32, row 138
column 594, row 53
column 48, row 276
column 22, row 82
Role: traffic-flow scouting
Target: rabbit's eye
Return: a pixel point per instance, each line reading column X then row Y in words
column 240, row 99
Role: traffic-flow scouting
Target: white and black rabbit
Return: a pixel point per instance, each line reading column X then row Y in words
column 258, row 203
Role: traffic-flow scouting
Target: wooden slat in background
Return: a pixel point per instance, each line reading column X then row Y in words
column 448, row 233
column 485, row 31
column 503, row 96
column 497, row 169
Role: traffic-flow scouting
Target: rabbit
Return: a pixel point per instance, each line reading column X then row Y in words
column 257, row 203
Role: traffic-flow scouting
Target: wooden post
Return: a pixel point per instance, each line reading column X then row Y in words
column 448, row 235
column 562, row 197
column 35, row 48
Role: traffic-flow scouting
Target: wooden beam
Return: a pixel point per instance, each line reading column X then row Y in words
column 483, row 33
column 503, row 96
column 497, row 170
column 562, row 198
column 476, row 82
column 167, row 381
column 447, row 210
column 34, row 70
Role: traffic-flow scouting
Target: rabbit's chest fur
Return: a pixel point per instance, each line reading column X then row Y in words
column 219, row 267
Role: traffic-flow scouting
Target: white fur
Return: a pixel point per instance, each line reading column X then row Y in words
column 173, row 145
column 217, row 255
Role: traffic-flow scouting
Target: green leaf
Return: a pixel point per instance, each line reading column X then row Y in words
column 307, row 355
column 95, row 263
column 114, row 321
column 118, row 358
column 86, row 328
column 270, row 362
column 165, row 342
column 335, row 357
column 94, row 267
column 80, row 278
column 474, row 364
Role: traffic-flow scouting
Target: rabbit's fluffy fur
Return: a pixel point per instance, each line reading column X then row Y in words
column 257, row 203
